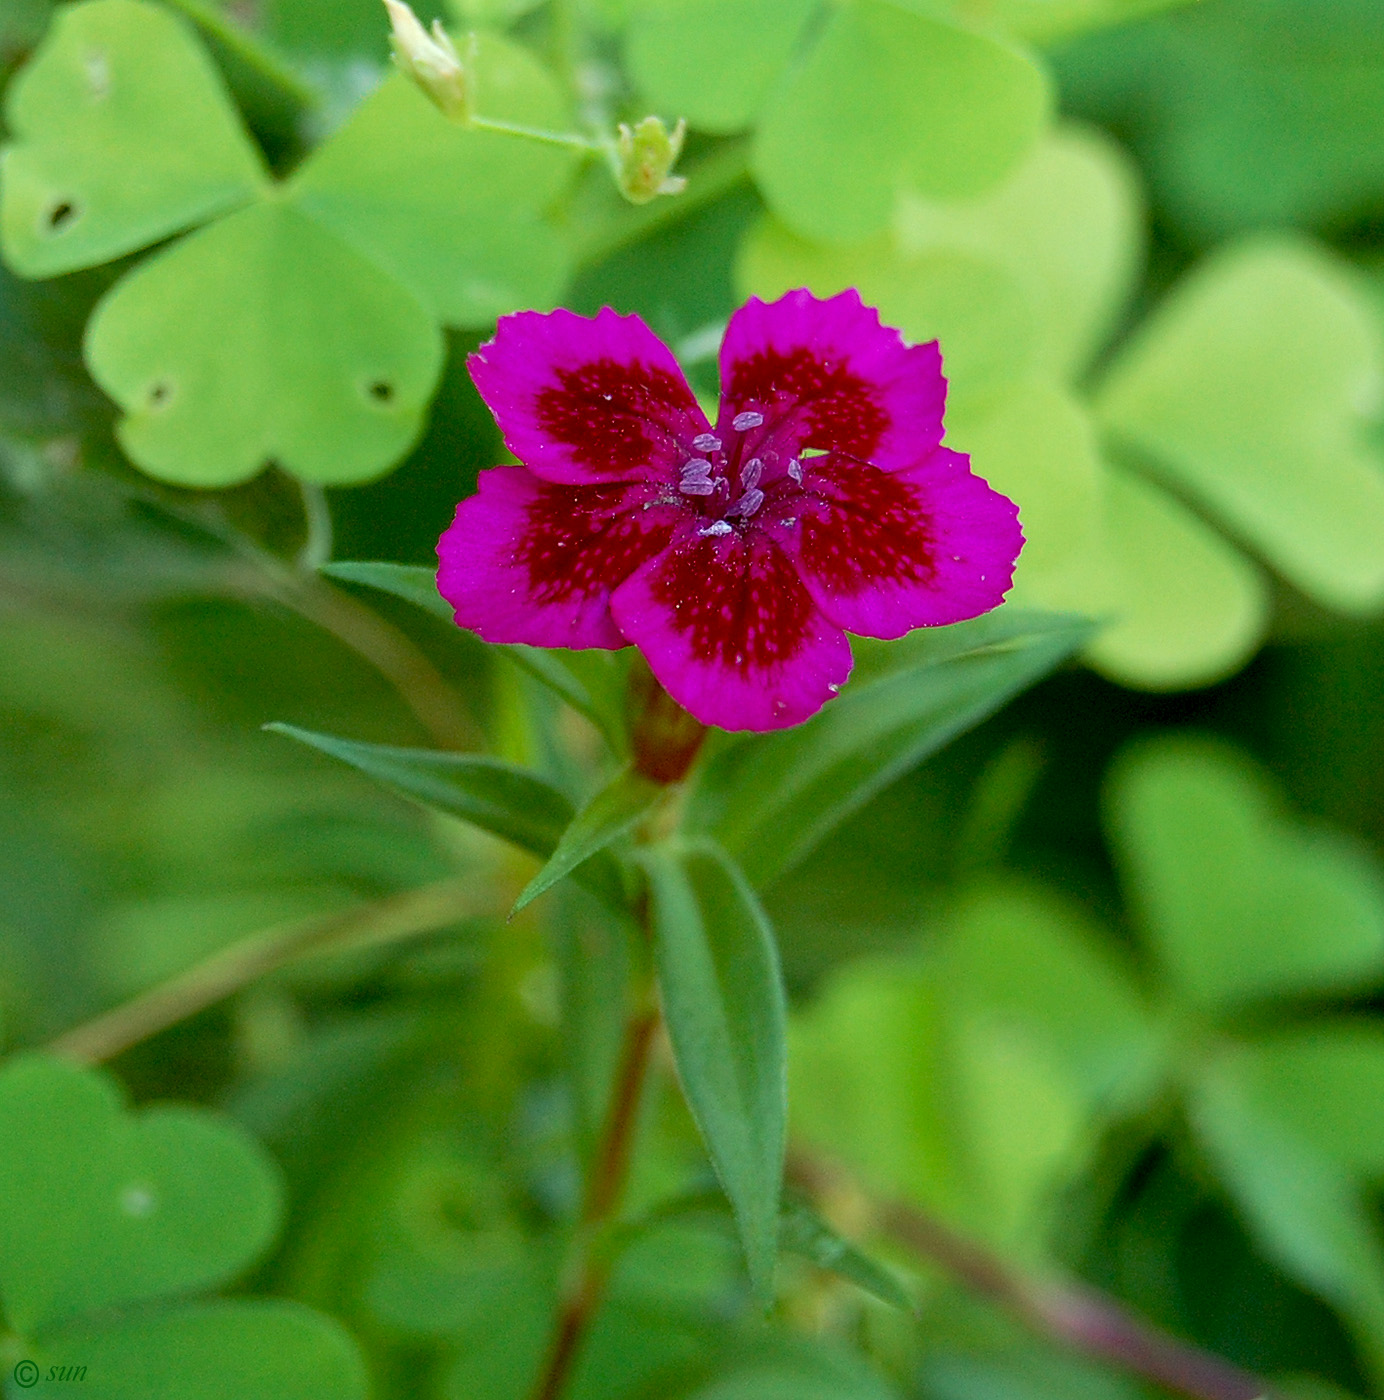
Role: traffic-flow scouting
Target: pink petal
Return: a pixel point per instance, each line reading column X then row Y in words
column 528, row 561
column 731, row 633
column 828, row 375
column 884, row 552
column 588, row 398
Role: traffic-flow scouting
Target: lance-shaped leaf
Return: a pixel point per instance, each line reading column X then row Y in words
column 498, row 797
column 214, row 350
column 591, row 682
column 771, row 799
column 124, row 134
column 723, row 999
column 608, row 816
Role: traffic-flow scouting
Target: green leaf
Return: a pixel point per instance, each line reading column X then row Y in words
column 723, row 1000
column 1181, row 606
column 415, row 583
column 213, row 349
column 1304, row 1209
column 712, row 61
column 609, row 815
column 1326, row 1082
column 803, row 1232
column 123, row 134
column 102, row 1207
column 1249, row 389
column 888, row 100
column 1238, row 902
column 509, row 802
column 1025, row 280
column 451, row 213
column 1022, row 957
column 260, row 1349
column 768, row 801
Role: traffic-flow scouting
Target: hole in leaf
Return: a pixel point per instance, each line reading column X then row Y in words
column 61, row 215
column 160, row 393
column 382, row 391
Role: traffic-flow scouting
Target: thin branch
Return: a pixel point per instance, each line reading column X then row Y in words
column 383, row 921
column 1070, row 1313
column 568, row 140
column 590, row 1270
column 435, row 704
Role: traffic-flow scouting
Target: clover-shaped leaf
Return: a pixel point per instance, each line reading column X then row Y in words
column 302, row 330
column 888, row 100
column 1249, row 389
column 1239, row 903
column 97, row 167
column 214, row 349
column 104, row 1212
column 713, row 61
column 453, row 214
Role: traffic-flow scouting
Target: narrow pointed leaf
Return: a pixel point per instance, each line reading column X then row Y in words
column 498, row 797
column 591, row 682
column 607, row 817
column 804, row 1233
column 723, row 999
column 769, row 800
column 415, row 583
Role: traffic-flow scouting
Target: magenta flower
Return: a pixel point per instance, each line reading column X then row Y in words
column 736, row 558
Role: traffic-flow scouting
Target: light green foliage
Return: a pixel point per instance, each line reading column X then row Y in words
column 712, row 61
column 974, row 1079
column 398, row 224
column 888, row 101
column 97, row 107
column 1239, row 904
column 451, row 213
column 723, row 999
column 106, row 1212
column 1246, row 113
column 220, row 374
column 771, row 800
column 1249, row 390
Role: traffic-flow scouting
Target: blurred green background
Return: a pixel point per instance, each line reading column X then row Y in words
column 1099, row 984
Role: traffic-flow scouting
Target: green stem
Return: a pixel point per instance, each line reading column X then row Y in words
column 368, row 925
column 569, row 140
column 317, row 526
column 590, row 1268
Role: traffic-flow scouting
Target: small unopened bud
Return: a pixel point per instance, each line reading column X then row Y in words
column 432, row 61
column 644, row 157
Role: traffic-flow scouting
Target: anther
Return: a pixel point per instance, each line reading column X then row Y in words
column 707, row 442
column 696, row 478
column 717, row 527
column 750, row 473
column 743, row 422
column 795, row 470
column 748, row 503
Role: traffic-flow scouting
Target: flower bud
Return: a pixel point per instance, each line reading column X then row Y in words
column 644, row 157
column 432, row 61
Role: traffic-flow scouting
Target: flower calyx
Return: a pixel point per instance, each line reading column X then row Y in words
column 643, row 158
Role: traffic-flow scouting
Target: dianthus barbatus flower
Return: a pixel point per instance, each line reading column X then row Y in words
column 736, row 558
